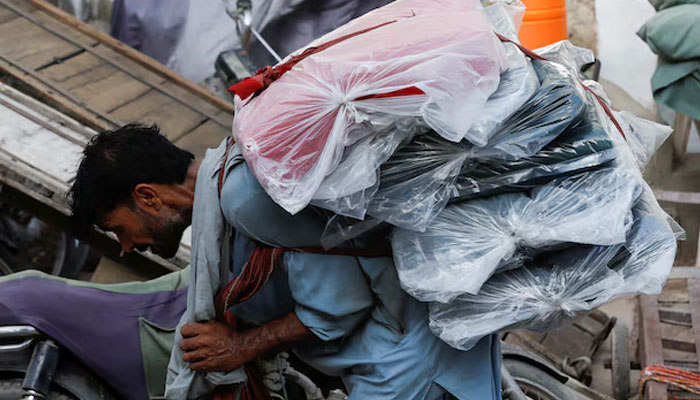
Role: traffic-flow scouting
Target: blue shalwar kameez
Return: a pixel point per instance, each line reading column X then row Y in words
column 374, row 336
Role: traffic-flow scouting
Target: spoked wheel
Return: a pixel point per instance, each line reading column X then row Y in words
column 537, row 384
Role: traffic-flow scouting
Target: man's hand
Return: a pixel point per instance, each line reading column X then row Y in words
column 213, row 346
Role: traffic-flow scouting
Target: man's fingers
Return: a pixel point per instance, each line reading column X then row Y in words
column 201, row 366
column 193, row 356
column 190, row 344
column 190, row 330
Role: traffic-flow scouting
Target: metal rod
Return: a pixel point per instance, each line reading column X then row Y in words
column 267, row 46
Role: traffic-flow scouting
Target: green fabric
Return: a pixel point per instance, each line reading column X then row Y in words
column 683, row 94
column 674, row 35
column 664, row 4
column 156, row 345
column 172, row 281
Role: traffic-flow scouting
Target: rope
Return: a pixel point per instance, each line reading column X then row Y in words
column 676, row 377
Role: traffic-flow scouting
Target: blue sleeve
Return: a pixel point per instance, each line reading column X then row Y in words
column 331, row 292
column 251, row 211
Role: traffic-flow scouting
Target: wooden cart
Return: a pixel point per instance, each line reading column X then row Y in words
column 101, row 82
column 670, row 330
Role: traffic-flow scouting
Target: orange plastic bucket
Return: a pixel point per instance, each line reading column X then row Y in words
column 544, row 23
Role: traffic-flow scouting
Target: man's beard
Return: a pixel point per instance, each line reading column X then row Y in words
column 167, row 236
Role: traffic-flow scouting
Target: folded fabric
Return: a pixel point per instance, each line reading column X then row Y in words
column 422, row 176
column 438, row 60
column 559, row 285
column 664, row 4
column 583, row 146
column 674, row 34
column 469, row 241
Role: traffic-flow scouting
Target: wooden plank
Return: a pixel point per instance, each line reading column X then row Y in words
column 24, row 42
column 672, row 196
column 105, row 88
column 36, row 88
column 680, row 136
column 52, row 117
column 684, row 272
column 675, row 291
column 128, row 66
column 651, row 351
column 6, row 15
column 694, row 294
column 173, row 118
column 135, row 55
column 71, row 68
column 222, row 116
column 204, row 137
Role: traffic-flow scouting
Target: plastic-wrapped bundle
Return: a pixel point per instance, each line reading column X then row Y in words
column 518, row 83
column 349, row 188
column 434, row 59
column 468, row 242
column 423, row 175
column 560, row 284
column 643, row 137
column 583, row 146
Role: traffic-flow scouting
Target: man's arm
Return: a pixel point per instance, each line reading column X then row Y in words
column 214, row 346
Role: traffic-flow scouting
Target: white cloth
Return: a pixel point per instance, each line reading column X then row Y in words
column 206, row 272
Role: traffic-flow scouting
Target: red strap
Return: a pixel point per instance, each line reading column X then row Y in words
column 600, row 100
column 522, row 48
column 266, row 75
column 607, row 109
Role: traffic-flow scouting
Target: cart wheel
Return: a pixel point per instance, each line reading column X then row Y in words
column 620, row 362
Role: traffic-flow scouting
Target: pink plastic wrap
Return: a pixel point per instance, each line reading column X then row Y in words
column 432, row 59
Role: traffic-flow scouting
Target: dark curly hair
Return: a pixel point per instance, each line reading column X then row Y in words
column 114, row 162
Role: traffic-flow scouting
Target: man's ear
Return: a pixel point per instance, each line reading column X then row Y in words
column 146, row 196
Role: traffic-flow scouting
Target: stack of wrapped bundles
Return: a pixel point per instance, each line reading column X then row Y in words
column 514, row 195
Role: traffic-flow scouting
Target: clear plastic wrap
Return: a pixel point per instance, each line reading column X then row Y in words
column 350, row 187
column 293, row 134
column 643, row 137
column 422, row 176
column 468, row 242
column 558, row 285
column 583, row 146
column 518, row 83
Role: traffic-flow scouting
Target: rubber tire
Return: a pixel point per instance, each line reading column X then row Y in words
column 11, row 389
column 620, row 362
column 524, row 372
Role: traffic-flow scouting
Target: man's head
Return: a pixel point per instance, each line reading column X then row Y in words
column 131, row 181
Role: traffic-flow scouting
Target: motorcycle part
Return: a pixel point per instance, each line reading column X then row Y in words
column 11, row 389
column 15, row 338
column 42, row 368
column 537, row 384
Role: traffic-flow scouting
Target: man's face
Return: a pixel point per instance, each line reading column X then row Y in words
column 142, row 230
